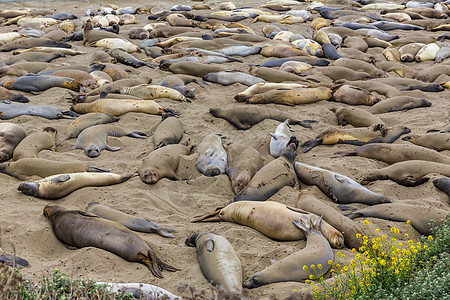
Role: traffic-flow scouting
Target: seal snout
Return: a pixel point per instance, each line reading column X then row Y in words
column 212, row 171
column 149, row 176
column 92, row 151
column 29, row 188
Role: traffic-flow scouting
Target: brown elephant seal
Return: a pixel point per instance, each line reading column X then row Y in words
column 354, row 96
column 5, row 94
column 34, row 143
column 420, row 216
column 190, row 68
column 25, row 67
column 80, row 229
column 338, row 187
column 244, row 117
column 10, row 136
column 162, row 163
column 84, row 78
column 355, row 42
column 85, row 121
column 61, row 185
column 358, row 65
column 27, row 167
column 355, row 136
column 443, row 184
column 169, row 131
column 272, row 75
column 308, row 202
column 129, row 221
column 271, row 218
column 271, row 178
column 90, row 35
column 337, row 72
column 263, row 87
column 33, row 57
column 393, row 153
column 94, row 139
column 138, row 33
column 243, row 163
column 119, row 83
column 359, row 118
column 408, row 52
column 292, row 97
column 212, row 160
column 399, row 103
column 407, row 173
column 218, row 260
column 292, row 268
column 435, row 140
column 119, row 107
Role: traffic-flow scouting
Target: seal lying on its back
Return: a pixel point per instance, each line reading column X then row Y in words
column 80, row 229
column 244, row 117
column 218, row 260
column 213, row 158
column 129, row 221
column 291, row 268
column 10, row 136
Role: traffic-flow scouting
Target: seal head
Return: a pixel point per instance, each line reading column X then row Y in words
column 150, row 176
column 29, row 188
column 92, row 151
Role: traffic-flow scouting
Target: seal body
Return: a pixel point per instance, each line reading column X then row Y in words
column 119, row 107
column 213, row 157
column 169, row 131
column 280, row 139
column 10, row 136
column 339, row 188
column 39, row 83
column 399, row 103
column 85, row 121
column 354, row 96
column 292, row 97
column 218, row 260
column 436, row 140
column 35, row 143
column 359, row 118
column 11, row 110
column 443, row 184
column 291, row 268
column 80, row 229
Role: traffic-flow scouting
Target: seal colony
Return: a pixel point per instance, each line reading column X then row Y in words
column 368, row 91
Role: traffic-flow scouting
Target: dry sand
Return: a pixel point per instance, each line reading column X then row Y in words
column 174, row 203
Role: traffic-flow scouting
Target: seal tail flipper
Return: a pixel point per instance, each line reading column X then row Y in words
column 343, row 153
column 95, row 169
column 410, row 181
column 308, row 145
column 156, row 265
column 212, row 217
column 165, row 232
column 109, row 148
column 137, row 134
column 126, row 177
column 68, row 114
column 304, row 123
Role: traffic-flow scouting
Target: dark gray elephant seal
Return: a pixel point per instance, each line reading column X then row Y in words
column 407, row 173
column 10, row 136
column 93, row 139
column 443, row 184
column 243, row 163
column 419, row 216
column 9, row 110
column 244, row 117
column 129, row 221
column 218, row 260
column 169, row 131
column 34, row 143
column 190, row 68
column 339, row 188
column 271, row 178
column 39, row 83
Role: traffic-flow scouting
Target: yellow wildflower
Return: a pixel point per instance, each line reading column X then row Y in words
column 305, row 267
column 408, row 222
column 366, row 222
column 311, row 277
column 430, row 238
column 330, row 262
column 358, row 235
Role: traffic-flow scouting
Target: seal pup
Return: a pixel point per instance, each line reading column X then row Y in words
column 80, row 229
column 129, row 221
column 407, row 173
column 291, row 268
column 94, row 139
column 271, row 178
column 169, row 131
column 162, row 163
column 434, row 140
column 419, row 215
column 308, row 202
column 280, row 139
column 218, row 260
column 244, row 117
column 359, row 118
column 292, row 97
column 213, row 157
column 443, row 184
column 339, row 188
column 355, row 136
column 11, row 110
column 61, row 185
column 27, row 167
column 262, row 87
column 243, row 163
column 272, row 219
column 10, row 136
column 34, row 143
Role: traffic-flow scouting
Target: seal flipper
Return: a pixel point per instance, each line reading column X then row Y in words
column 212, row 217
column 343, row 153
column 68, row 114
column 10, row 259
column 95, row 169
column 155, row 264
column 137, row 134
column 71, row 247
column 164, row 232
column 308, row 145
column 209, row 245
column 410, row 181
column 109, row 148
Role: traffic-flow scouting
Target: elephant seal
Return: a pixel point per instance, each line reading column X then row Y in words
column 443, row 53
column 354, row 96
column 169, row 131
column 190, row 68
column 271, row 178
column 355, row 136
column 420, row 216
column 213, row 157
column 33, row 57
column 262, row 87
column 119, row 107
column 408, row 52
column 407, row 173
column 443, row 184
column 230, row 77
column 80, row 229
column 313, row 61
column 9, row 110
column 61, row 185
column 218, row 260
column 39, row 83
column 348, row 228
column 427, row 52
column 359, row 118
column 271, row 218
column 339, row 188
column 10, row 136
column 85, row 121
column 292, row 268
column 337, row 72
column 162, row 163
column 272, row 75
column 90, row 35
column 243, row 163
column 23, row 68
column 84, row 78
column 393, row 153
column 93, row 139
column 244, row 117
column 27, row 167
column 280, row 139
column 5, row 94
column 435, row 140
column 13, row 260
column 357, row 65
column 178, row 83
column 34, row 143
column 292, row 97
column 28, row 43
column 398, row 103
column 129, row 221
